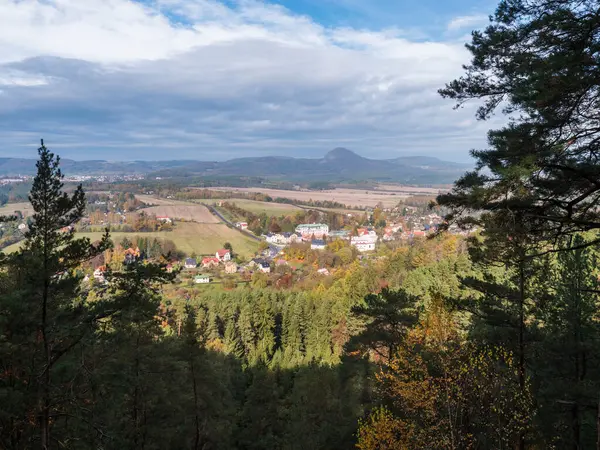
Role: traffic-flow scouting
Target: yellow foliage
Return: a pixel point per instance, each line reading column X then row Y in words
column 382, row 431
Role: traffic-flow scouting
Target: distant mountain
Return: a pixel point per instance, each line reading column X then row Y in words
column 340, row 164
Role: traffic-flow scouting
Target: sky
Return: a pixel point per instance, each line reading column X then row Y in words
column 220, row 79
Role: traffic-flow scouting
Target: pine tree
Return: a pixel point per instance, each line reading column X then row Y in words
column 135, row 369
column 192, row 348
column 504, row 311
column 46, row 317
column 538, row 61
column 569, row 362
column 386, row 318
column 233, row 340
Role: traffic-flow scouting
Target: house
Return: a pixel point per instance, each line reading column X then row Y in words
column 201, row 279
column 261, row 265
column 388, row 237
column 264, row 267
column 364, row 243
column 22, row 227
column 223, row 255
column 282, row 239
column 131, row 255
column 99, row 274
column 231, row 267
column 317, row 244
column 242, row 225
column 395, row 227
column 365, row 232
column 339, row 234
column 323, row 272
column 190, row 263
column 164, row 219
column 209, row 262
column 308, row 230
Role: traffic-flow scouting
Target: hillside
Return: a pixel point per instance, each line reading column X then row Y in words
column 339, row 164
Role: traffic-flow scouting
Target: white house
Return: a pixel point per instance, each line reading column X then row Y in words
column 242, row 225
column 261, row 265
column 202, row 279
column 164, row 219
column 281, row 239
column 99, row 274
column 308, row 230
column 223, row 255
column 264, row 267
column 364, row 243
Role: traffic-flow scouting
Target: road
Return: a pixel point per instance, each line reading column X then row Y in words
column 232, row 225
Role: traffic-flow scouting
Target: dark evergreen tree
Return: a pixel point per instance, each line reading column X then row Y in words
column 136, row 370
column 386, row 317
column 569, row 362
column 45, row 318
column 537, row 60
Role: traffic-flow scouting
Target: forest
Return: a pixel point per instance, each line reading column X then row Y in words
column 486, row 342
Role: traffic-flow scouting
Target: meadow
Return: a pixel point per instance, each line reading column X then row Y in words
column 190, row 237
column 190, row 212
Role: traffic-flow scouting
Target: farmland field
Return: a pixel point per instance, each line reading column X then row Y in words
column 151, row 200
column 197, row 213
column 349, row 197
column 201, row 238
column 269, row 208
column 415, row 190
column 10, row 208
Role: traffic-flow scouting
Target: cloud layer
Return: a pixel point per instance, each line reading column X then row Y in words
column 179, row 79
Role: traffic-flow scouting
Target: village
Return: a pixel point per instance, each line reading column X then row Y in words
column 273, row 245
column 311, row 249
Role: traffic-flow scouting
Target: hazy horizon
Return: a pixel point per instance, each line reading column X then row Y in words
column 249, row 155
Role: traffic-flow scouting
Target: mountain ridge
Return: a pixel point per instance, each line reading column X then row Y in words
column 339, row 164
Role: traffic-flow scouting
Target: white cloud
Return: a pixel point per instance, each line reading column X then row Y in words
column 21, row 78
column 207, row 78
column 462, row 22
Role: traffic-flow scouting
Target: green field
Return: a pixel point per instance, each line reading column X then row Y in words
column 269, row 208
column 201, row 238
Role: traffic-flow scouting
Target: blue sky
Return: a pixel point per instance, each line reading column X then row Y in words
column 218, row 79
column 421, row 16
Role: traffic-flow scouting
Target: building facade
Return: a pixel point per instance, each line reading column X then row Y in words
column 308, row 230
column 364, row 243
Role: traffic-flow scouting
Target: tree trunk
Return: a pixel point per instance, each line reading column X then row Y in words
column 522, row 340
column 598, row 427
column 45, row 400
column 196, row 416
column 44, row 414
column 575, row 426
